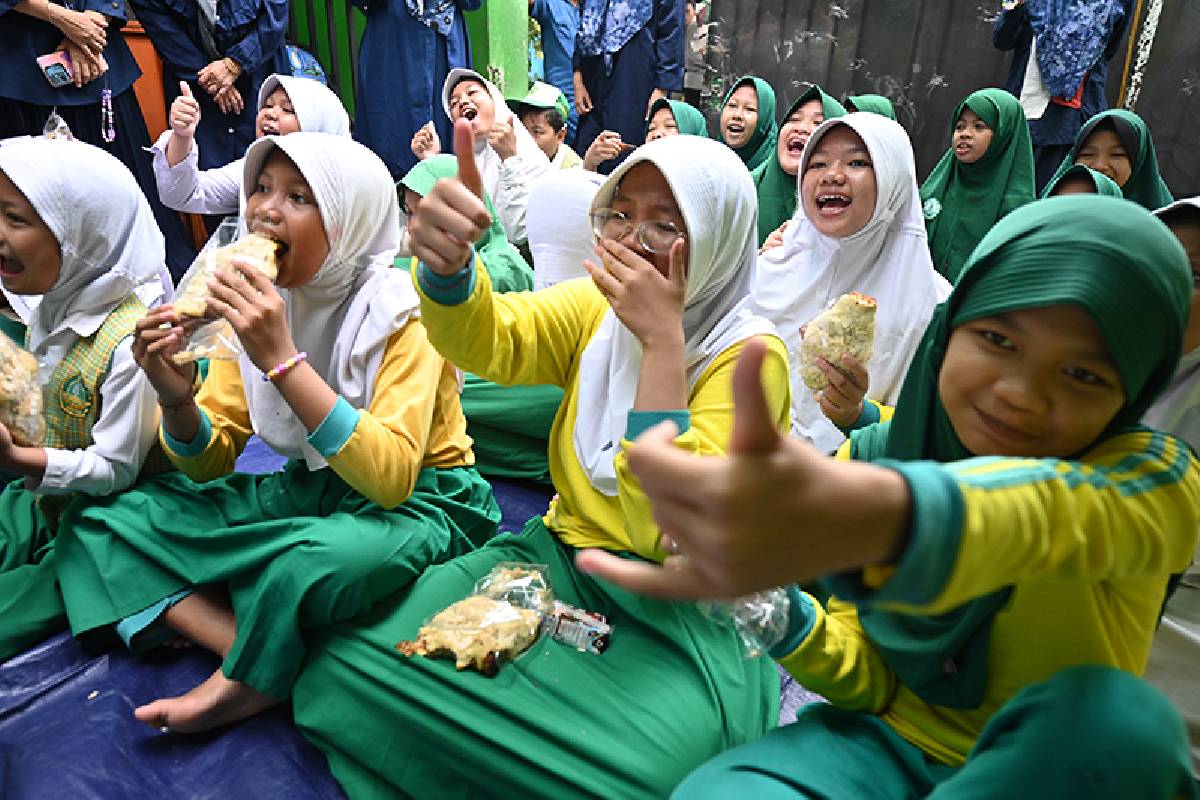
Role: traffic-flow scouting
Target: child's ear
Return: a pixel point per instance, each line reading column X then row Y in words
column 561, row 135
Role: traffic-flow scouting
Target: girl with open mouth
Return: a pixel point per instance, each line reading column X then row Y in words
column 747, row 121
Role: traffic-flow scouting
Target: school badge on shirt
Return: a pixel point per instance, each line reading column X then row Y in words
column 932, row 207
column 74, row 397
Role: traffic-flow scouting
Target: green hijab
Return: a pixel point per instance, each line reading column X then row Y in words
column 1145, row 185
column 688, row 120
column 1130, row 274
column 1104, row 185
column 776, row 189
column 872, row 104
column 963, row 201
column 505, row 266
column 762, row 141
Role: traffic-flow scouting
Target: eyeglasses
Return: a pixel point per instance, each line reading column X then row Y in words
column 657, row 236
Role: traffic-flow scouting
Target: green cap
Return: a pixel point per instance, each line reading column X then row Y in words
column 542, row 95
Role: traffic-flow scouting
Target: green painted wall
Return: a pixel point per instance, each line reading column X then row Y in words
column 500, row 44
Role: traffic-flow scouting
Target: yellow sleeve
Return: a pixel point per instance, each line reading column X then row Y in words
column 383, row 456
column 222, row 400
column 710, row 408
column 517, row 337
column 838, row 661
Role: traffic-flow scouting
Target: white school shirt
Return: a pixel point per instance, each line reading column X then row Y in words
column 185, row 187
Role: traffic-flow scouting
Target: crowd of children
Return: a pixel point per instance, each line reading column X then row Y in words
column 985, row 532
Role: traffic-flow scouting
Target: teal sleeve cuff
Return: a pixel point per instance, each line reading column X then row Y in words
column 448, row 290
column 146, row 629
column 638, row 422
column 935, row 534
column 868, row 416
column 196, row 446
column 337, row 427
column 802, row 615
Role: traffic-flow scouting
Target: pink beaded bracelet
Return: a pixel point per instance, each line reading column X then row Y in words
column 279, row 369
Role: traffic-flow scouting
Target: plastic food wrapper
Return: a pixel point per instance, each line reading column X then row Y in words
column 20, row 395
column 586, row 631
column 216, row 339
column 496, row 623
column 847, row 326
column 760, row 619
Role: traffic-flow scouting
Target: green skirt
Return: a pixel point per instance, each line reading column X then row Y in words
column 671, row 691
column 296, row 549
column 31, row 607
column 510, row 426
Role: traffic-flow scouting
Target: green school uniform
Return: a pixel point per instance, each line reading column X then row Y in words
column 775, row 188
column 963, row 201
column 761, row 145
column 872, row 104
column 688, row 120
column 993, row 660
column 1145, row 185
column 1103, row 184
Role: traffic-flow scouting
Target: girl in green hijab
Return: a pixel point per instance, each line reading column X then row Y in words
column 986, row 173
column 1079, row 179
column 775, row 178
column 670, row 117
column 505, row 265
column 747, row 121
column 1117, row 143
column 998, row 573
column 872, row 104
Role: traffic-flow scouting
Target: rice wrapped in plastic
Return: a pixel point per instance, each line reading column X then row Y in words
column 20, row 395
column 846, row 327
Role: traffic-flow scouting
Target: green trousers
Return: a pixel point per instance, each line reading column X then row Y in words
column 671, row 691
column 296, row 549
column 31, row 607
column 510, row 426
column 1088, row 732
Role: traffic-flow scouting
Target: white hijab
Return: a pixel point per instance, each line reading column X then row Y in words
column 345, row 315
column 715, row 194
column 318, row 109
column 888, row 259
column 1177, row 409
column 533, row 160
column 560, row 230
column 110, row 245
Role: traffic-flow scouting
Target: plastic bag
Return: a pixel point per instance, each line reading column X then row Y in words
column 760, row 619
column 20, row 395
column 497, row 622
column 216, row 339
column 847, row 326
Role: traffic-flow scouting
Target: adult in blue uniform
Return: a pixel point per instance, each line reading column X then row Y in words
column 627, row 53
column 1073, row 41
column 560, row 24
column 408, row 48
column 88, row 29
column 233, row 54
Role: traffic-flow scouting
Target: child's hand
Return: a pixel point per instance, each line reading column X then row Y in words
column 7, row 446
column 583, row 100
column 453, row 214
column 648, row 304
column 775, row 239
column 842, row 400
column 605, row 146
column 185, row 113
column 247, row 299
column 425, row 142
column 772, row 512
column 153, row 346
column 503, row 139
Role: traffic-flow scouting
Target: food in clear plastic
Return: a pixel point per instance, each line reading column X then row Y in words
column 216, row 339
column 847, row 326
column 20, row 395
column 760, row 619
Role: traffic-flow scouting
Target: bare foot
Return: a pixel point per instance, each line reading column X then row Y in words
column 216, row 702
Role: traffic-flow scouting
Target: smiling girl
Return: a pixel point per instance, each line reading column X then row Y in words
column 672, row 117
column 747, row 123
column 285, row 105
column 986, row 173
column 1117, row 144
column 338, row 375
column 80, row 259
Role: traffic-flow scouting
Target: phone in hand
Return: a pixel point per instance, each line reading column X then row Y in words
column 56, row 67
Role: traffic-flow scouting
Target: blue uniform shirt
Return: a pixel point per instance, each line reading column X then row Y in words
column 560, row 22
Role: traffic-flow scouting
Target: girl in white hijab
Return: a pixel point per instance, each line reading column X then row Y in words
column 338, row 375
column 286, row 104
column 839, row 242
column 508, row 158
column 80, row 259
column 651, row 335
column 560, row 231
column 1176, row 650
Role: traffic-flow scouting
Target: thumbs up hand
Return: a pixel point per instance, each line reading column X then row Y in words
column 453, row 214
column 185, row 113
column 773, row 511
